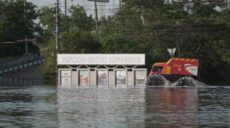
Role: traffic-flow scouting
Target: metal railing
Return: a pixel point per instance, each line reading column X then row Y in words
column 20, row 64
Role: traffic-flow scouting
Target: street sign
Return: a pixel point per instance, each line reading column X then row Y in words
column 171, row 51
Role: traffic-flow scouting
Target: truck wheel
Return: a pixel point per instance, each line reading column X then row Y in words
column 186, row 81
column 155, row 80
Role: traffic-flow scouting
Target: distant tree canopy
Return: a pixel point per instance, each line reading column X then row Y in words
column 198, row 30
column 76, row 35
column 17, row 20
column 16, row 23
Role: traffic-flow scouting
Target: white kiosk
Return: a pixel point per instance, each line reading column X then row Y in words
column 101, row 70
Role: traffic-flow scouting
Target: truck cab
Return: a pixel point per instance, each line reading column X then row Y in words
column 156, row 68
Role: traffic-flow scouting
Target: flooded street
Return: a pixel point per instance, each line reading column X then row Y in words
column 45, row 106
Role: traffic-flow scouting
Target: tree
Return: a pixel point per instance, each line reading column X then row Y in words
column 80, row 19
column 17, row 20
column 17, row 23
column 153, row 26
column 77, row 41
column 76, row 36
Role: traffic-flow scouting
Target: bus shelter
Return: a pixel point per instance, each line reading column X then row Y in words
column 101, row 70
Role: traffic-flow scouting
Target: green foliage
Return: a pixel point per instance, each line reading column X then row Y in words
column 47, row 19
column 77, row 41
column 150, row 26
column 80, row 19
column 76, row 37
column 15, row 50
column 140, row 26
column 16, row 23
column 49, row 67
column 202, row 10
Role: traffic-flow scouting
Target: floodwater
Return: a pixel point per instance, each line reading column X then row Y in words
column 151, row 107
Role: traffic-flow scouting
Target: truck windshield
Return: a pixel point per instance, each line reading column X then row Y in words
column 157, row 68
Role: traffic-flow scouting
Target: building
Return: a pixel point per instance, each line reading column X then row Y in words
column 101, row 70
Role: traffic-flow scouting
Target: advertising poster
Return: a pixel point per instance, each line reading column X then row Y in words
column 66, row 81
column 102, row 78
column 66, row 73
column 84, row 78
column 65, row 78
column 140, row 77
column 121, row 77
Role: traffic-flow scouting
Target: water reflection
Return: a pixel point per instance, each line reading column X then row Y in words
column 102, row 108
column 19, row 81
column 115, row 108
column 171, row 107
column 214, row 107
column 42, row 106
column 27, row 107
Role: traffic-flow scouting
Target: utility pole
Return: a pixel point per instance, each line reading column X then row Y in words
column 65, row 8
column 96, row 14
column 26, row 43
column 57, row 27
column 228, row 4
column 57, row 40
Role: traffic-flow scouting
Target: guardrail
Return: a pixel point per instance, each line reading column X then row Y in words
column 21, row 64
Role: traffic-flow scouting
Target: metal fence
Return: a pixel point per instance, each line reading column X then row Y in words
column 20, row 64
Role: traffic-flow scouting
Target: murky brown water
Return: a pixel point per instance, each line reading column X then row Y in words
column 44, row 106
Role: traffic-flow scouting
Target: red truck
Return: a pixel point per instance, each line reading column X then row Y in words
column 173, row 70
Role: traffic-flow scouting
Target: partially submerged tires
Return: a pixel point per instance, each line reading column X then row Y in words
column 159, row 80
column 186, row 81
column 156, row 80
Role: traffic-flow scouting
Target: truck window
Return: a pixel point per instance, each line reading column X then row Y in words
column 157, row 68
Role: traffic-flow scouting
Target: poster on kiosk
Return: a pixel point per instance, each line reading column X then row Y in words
column 84, row 78
column 102, row 78
column 121, row 78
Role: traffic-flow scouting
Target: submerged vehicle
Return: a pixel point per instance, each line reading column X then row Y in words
column 176, row 69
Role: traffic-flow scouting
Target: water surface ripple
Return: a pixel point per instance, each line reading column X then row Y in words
column 49, row 107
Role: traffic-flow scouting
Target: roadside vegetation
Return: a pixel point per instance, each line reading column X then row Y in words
column 150, row 26
column 16, row 24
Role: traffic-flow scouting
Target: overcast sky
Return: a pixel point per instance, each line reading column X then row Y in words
column 42, row 2
column 104, row 9
column 49, row 2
